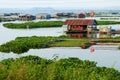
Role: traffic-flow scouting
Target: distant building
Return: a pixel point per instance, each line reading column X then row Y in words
column 80, row 25
column 59, row 14
column 11, row 15
column 27, row 17
column 14, row 14
column 65, row 15
column 87, row 14
column 81, row 15
column 92, row 13
column 43, row 16
column 1, row 15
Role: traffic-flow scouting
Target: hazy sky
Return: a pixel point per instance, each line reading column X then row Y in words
column 59, row 3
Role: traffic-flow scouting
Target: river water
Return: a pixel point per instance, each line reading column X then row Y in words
column 104, row 57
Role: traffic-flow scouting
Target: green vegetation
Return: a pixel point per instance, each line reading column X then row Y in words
column 41, row 24
column 70, row 43
column 36, row 68
column 23, row 44
column 109, row 18
column 108, row 40
column 47, row 24
column 113, row 40
column 119, row 47
column 107, row 22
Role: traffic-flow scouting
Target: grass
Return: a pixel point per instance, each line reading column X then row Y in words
column 70, row 43
column 47, row 24
column 23, row 44
column 107, row 22
column 42, row 24
column 108, row 40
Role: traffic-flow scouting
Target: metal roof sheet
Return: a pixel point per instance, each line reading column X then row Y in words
column 79, row 22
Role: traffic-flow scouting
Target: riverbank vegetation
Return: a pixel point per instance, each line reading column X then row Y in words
column 36, row 68
column 47, row 24
column 41, row 24
column 119, row 47
column 23, row 44
column 112, row 40
column 107, row 22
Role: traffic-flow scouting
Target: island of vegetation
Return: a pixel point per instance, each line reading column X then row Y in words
column 41, row 24
column 47, row 24
column 23, row 44
column 36, row 68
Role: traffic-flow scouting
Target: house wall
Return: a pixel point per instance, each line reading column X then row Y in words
column 43, row 16
column 105, row 29
column 77, row 35
column 79, row 27
column 27, row 18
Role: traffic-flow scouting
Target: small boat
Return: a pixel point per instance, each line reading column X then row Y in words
column 92, row 50
column 85, row 46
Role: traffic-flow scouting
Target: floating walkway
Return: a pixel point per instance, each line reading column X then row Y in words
column 108, row 44
column 105, row 47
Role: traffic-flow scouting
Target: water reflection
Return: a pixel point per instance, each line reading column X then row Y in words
column 77, row 35
column 108, row 58
column 91, row 35
column 105, row 35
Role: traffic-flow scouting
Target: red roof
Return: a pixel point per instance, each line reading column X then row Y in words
column 79, row 22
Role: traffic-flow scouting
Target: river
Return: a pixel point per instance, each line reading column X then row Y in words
column 104, row 57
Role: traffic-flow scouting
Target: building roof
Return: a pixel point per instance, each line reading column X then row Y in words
column 80, row 22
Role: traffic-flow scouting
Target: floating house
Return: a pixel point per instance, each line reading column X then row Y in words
column 26, row 17
column 105, row 29
column 1, row 15
column 92, row 13
column 79, row 25
column 43, row 16
column 65, row 15
column 81, row 15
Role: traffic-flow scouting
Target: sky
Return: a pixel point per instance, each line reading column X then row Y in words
column 59, row 3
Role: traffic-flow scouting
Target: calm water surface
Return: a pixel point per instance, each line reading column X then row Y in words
column 10, row 34
column 104, row 57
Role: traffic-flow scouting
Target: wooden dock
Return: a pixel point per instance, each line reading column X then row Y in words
column 108, row 44
column 105, row 40
column 116, row 32
column 105, row 47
